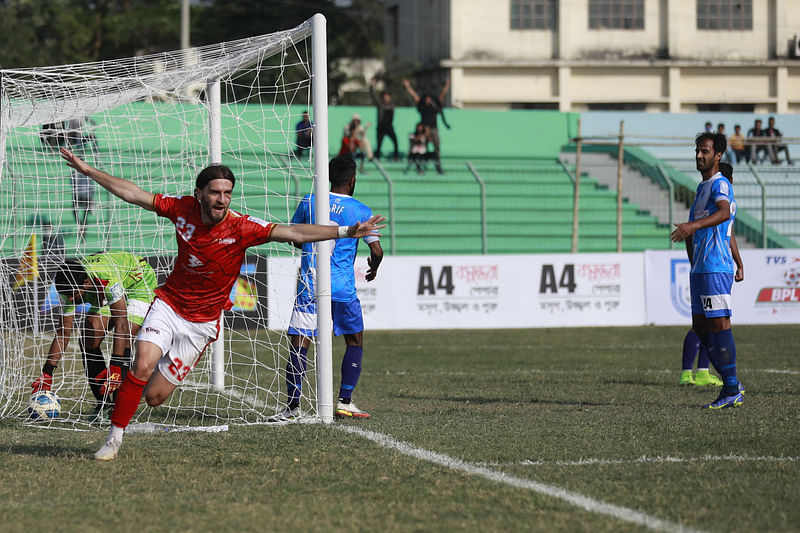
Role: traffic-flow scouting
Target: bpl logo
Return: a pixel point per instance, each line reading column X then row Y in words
column 679, row 286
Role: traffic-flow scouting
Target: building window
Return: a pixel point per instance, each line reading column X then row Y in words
column 616, row 14
column 724, row 14
column 533, row 14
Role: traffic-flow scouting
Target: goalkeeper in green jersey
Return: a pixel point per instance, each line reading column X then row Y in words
column 119, row 287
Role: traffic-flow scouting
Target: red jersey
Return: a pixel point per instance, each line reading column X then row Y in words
column 209, row 258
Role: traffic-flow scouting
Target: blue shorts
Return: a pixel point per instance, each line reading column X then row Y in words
column 711, row 294
column 347, row 317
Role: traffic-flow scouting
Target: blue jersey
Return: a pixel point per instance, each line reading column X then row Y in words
column 345, row 211
column 711, row 247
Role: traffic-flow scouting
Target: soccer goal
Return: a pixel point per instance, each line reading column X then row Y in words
column 157, row 120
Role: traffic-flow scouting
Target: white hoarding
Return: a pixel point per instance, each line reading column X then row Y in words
column 769, row 294
column 488, row 291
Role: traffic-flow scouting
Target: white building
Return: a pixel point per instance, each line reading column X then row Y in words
column 574, row 55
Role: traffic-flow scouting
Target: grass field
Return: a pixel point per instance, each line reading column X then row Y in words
column 510, row 430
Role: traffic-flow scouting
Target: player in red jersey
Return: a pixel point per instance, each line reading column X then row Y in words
column 184, row 317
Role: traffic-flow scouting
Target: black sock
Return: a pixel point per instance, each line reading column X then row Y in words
column 94, row 363
column 48, row 369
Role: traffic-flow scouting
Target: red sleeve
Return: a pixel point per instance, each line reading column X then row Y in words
column 256, row 231
column 167, row 206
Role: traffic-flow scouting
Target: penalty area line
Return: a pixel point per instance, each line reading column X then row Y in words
column 573, row 498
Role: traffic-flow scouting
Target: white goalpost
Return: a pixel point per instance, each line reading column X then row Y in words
column 157, row 120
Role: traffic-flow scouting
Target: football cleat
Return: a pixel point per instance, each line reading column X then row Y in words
column 686, row 378
column 349, row 410
column 287, row 415
column 109, row 450
column 43, row 383
column 741, row 388
column 704, row 377
column 723, row 401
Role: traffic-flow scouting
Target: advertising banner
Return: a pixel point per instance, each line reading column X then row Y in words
column 769, row 294
column 485, row 291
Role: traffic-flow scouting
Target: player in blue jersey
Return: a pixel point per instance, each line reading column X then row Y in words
column 346, row 308
column 692, row 346
column 707, row 236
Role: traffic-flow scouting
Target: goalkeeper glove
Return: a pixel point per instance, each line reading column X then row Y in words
column 110, row 379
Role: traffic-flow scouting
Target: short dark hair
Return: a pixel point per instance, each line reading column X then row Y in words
column 341, row 169
column 726, row 170
column 70, row 276
column 214, row 172
column 717, row 139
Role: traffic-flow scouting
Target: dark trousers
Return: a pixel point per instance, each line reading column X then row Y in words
column 386, row 131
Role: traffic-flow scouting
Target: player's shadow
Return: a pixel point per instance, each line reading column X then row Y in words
column 47, row 450
column 475, row 400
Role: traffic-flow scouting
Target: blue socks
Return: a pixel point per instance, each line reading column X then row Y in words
column 691, row 343
column 295, row 370
column 726, row 350
column 351, row 370
column 722, row 352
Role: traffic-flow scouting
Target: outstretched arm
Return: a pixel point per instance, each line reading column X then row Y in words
column 444, row 90
column 300, row 233
column 119, row 187
column 411, row 91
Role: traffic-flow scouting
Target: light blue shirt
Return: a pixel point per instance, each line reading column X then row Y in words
column 711, row 247
column 345, row 211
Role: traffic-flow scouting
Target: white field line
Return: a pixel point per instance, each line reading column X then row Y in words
column 744, row 369
column 588, row 461
column 572, row 498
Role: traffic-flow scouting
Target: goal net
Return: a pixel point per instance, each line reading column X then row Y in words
column 157, row 120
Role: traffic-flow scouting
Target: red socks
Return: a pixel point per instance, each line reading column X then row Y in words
column 128, row 396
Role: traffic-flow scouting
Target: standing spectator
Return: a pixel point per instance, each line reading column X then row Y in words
column 776, row 134
column 385, row 108
column 730, row 155
column 53, row 135
column 346, row 307
column 212, row 241
column 708, row 128
column 736, row 142
column 707, row 236
column 304, row 131
column 755, row 149
column 429, row 109
column 79, row 139
column 82, row 200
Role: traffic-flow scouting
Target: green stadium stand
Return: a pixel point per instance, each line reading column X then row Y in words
column 528, row 193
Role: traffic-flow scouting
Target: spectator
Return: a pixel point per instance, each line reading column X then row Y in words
column 775, row 133
column 304, row 130
column 354, row 142
column 385, row 108
column 77, row 137
column 730, row 155
column 708, row 128
column 418, row 148
column 756, row 149
column 53, row 135
column 82, row 200
column 736, row 142
column 429, row 109
column 53, row 248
